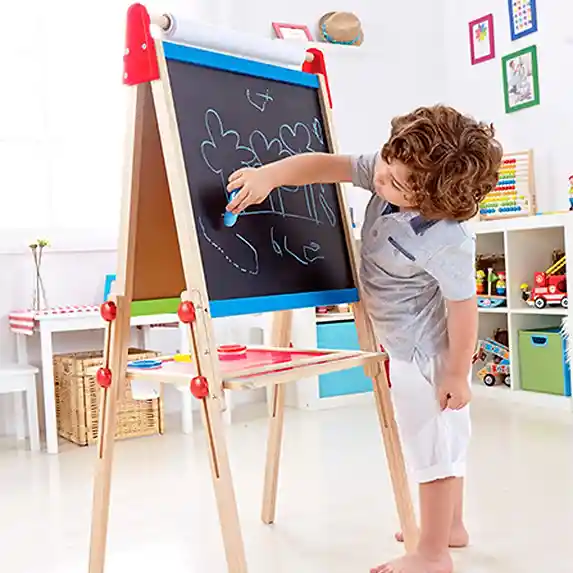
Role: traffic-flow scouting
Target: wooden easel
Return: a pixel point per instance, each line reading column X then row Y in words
column 155, row 171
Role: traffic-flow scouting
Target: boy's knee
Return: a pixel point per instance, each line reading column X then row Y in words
column 439, row 449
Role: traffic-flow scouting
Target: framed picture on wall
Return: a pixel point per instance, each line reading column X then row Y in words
column 482, row 41
column 522, row 17
column 520, row 79
column 292, row 31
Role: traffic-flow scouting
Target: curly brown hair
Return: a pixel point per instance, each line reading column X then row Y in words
column 453, row 160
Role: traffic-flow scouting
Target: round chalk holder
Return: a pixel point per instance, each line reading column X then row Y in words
column 146, row 364
column 231, row 351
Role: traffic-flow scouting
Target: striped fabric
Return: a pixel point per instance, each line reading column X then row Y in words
column 25, row 321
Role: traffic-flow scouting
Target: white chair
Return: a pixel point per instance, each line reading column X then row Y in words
column 18, row 379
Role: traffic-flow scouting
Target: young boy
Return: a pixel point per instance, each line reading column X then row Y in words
column 417, row 278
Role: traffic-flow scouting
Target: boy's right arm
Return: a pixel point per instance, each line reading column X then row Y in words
column 255, row 184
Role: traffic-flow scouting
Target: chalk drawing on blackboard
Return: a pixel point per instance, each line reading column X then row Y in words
column 224, row 150
column 252, row 251
column 267, row 151
column 287, row 215
column 297, row 139
column 317, row 128
column 310, row 252
column 276, row 247
column 301, row 261
column 221, row 145
column 258, row 100
column 330, row 215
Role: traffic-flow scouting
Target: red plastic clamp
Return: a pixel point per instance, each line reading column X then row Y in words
column 186, row 312
column 318, row 66
column 103, row 377
column 200, row 387
column 140, row 58
column 108, row 311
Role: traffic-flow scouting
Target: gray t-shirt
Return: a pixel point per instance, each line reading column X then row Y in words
column 409, row 267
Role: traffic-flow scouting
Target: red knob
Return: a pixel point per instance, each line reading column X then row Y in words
column 103, row 377
column 186, row 312
column 200, row 387
column 108, row 311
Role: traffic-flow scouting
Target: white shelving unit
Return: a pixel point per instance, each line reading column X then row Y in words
column 527, row 244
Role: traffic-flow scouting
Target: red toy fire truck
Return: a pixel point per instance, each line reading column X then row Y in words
column 550, row 287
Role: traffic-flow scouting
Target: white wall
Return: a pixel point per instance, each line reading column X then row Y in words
column 546, row 128
column 61, row 131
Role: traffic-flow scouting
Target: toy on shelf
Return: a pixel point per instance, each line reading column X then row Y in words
column 494, row 350
column 514, row 194
column 571, row 193
column 480, row 281
column 500, row 285
column 491, row 272
column 550, row 286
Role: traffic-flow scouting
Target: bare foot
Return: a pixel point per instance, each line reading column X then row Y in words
column 459, row 537
column 416, row 563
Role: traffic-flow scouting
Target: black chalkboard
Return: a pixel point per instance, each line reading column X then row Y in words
column 293, row 243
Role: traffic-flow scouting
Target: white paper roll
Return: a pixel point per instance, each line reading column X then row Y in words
column 200, row 35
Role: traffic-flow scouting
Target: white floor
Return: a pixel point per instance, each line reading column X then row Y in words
column 335, row 512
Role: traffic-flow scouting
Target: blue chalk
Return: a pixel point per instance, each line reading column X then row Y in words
column 229, row 219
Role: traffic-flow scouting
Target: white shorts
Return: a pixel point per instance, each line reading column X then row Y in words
column 435, row 443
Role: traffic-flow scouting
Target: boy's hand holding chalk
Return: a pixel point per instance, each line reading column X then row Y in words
column 249, row 186
column 254, row 185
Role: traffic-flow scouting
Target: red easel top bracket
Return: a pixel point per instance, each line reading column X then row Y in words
column 140, row 58
column 318, row 66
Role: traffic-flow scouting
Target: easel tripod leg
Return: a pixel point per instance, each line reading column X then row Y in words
column 112, row 387
column 395, row 459
column 281, row 337
column 102, row 485
column 223, row 484
column 276, row 425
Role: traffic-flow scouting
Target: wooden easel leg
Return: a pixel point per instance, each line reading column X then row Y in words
column 281, row 337
column 223, row 484
column 395, row 459
column 390, row 435
column 116, row 348
column 102, row 485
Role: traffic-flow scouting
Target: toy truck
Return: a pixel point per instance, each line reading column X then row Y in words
column 550, row 287
column 497, row 369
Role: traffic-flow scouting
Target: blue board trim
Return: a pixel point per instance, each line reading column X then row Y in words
column 243, row 66
column 256, row 304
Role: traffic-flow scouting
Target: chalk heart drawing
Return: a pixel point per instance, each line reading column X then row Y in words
column 223, row 146
column 296, row 139
column 265, row 151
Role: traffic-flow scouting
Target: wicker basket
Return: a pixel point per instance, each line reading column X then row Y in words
column 77, row 400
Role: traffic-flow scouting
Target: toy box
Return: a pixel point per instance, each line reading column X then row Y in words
column 542, row 362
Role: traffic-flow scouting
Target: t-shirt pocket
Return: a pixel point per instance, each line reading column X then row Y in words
column 397, row 261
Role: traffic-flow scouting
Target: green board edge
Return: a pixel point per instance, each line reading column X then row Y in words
column 158, row 306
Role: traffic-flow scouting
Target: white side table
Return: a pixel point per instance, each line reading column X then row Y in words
column 54, row 321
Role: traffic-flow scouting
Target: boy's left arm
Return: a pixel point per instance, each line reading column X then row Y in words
column 462, row 321
column 454, row 269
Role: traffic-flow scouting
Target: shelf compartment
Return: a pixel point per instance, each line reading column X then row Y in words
column 528, row 252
